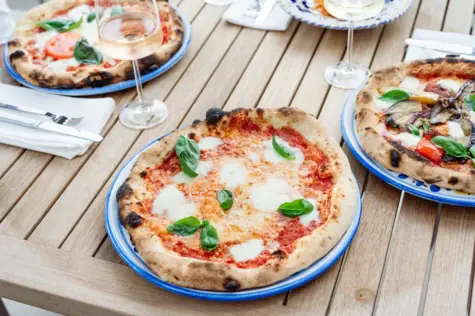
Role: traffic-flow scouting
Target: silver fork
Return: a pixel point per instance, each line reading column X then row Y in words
column 57, row 118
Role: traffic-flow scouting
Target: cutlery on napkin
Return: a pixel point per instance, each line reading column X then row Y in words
column 96, row 112
column 258, row 14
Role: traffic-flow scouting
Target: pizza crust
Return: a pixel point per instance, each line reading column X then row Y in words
column 200, row 274
column 392, row 155
column 92, row 75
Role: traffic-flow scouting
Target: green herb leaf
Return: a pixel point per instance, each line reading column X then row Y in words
column 91, row 17
column 208, row 236
column 414, row 130
column 426, row 125
column 394, row 96
column 296, row 208
column 188, row 154
column 282, row 150
column 185, row 227
column 86, row 54
column 472, row 150
column 470, row 101
column 473, row 160
column 450, row 146
column 117, row 9
column 60, row 25
column 225, row 199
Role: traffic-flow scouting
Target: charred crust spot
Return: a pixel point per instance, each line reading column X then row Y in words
column 98, row 79
column 260, row 113
column 231, row 284
column 453, row 180
column 14, row 43
column 16, row 55
column 286, row 110
column 408, row 152
column 365, row 97
column 196, row 122
column 432, row 180
column 237, row 110
column 395, row 158
column 133, row 220
column 143, row 174
column 214, row 115
column 279, row 254
column 367, row 128
column 123, row 191
column 192, row 135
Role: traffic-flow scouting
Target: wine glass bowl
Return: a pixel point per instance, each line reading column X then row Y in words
column 131, row 30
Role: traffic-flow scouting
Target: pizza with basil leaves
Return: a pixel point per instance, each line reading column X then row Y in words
column 55, row 45
column 240, row 200
column 418, row 118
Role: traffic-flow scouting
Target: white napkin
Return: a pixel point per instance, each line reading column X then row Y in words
column 414, row 52
column 96, row 112
column 244, row 12
column 7, row 22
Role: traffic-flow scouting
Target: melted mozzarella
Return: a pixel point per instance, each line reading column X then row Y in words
column 272, row 156
column 381, row 105
column 77, row 12
column 268, row 196
column 232, row 174
column 249, row 250
column 314, row 215
column 61, row 65
column 412, row 84
column 174, row 203
column 253, row 156
column 449, row 84
column 455, row 130
column 209, row 143
column 204, row 167
column 42, row 38
column 408, row 139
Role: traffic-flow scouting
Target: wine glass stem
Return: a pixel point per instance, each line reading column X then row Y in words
column 349, row 44
column 138, row 80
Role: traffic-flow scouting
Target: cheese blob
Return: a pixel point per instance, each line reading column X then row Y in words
column 174, row 203
column 455, row 130
column 232, row 173
column 62, row 65
column 249, row 250
column 209, row 143
column 272, row 156
column 314, row 215
column 79, row 12
column 382, row 105
column 268, row 196
column 408, row 139
column 204, row 167
column 449, row 84
column 42, row 38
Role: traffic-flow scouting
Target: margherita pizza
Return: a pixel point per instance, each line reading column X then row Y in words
column 55, row 46
column 241, row 200
column 418, row 118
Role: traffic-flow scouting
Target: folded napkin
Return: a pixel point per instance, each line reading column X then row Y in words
column 244, row 12
column 414, row 52
column 96, row 112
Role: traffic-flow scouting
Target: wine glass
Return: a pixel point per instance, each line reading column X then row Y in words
column 130, row 30
column 347, row 75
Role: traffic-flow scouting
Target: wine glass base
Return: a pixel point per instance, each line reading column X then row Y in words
column 143, row 114
column 346, row 76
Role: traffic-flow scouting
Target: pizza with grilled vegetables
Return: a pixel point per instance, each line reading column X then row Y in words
column 418, row 118
column 240, row 200
column 55, row 45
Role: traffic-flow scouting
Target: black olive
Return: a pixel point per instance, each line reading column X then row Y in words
column 133, row 220
column 395, row 159
column 231, row 284
column 213, row 115
column 123, row 191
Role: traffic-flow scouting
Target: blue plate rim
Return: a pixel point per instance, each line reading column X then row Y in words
column 252, row 294
column 353, row 144
column 116, row 86
column 344, row 28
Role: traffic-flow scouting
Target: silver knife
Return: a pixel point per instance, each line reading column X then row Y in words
column 444, row 47
column 51, row 127
column 266, row 10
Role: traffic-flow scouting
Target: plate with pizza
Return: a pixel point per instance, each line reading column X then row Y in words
column 413, row 126
column 54, row 49
column 314, row 13
column 242, row 205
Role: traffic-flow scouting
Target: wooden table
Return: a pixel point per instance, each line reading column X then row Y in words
column 409, row 257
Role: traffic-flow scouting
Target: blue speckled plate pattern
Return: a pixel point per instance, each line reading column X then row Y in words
column 302, row 10
column 121, row 242
column 116, row 86
column 396, row 179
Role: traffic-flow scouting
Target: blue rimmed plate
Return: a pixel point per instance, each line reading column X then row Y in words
column 112, row 87
column 302, row 10
column 401, row 181
column 121, row 242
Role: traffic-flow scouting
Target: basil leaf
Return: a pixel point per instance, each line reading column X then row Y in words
column 208, row 236
column 185, row 227
column 394, row 96
column 414, row 130
column 225, row 199
column 282, row 150
column 91, row 17
column 426, row 125
column 450, row 146
column 470, row 101
column 86, row 54
column 472, row 150
column 296, row 208
column 60, row 25
column 473, row 160
column 188, row 154
column 117, row 9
